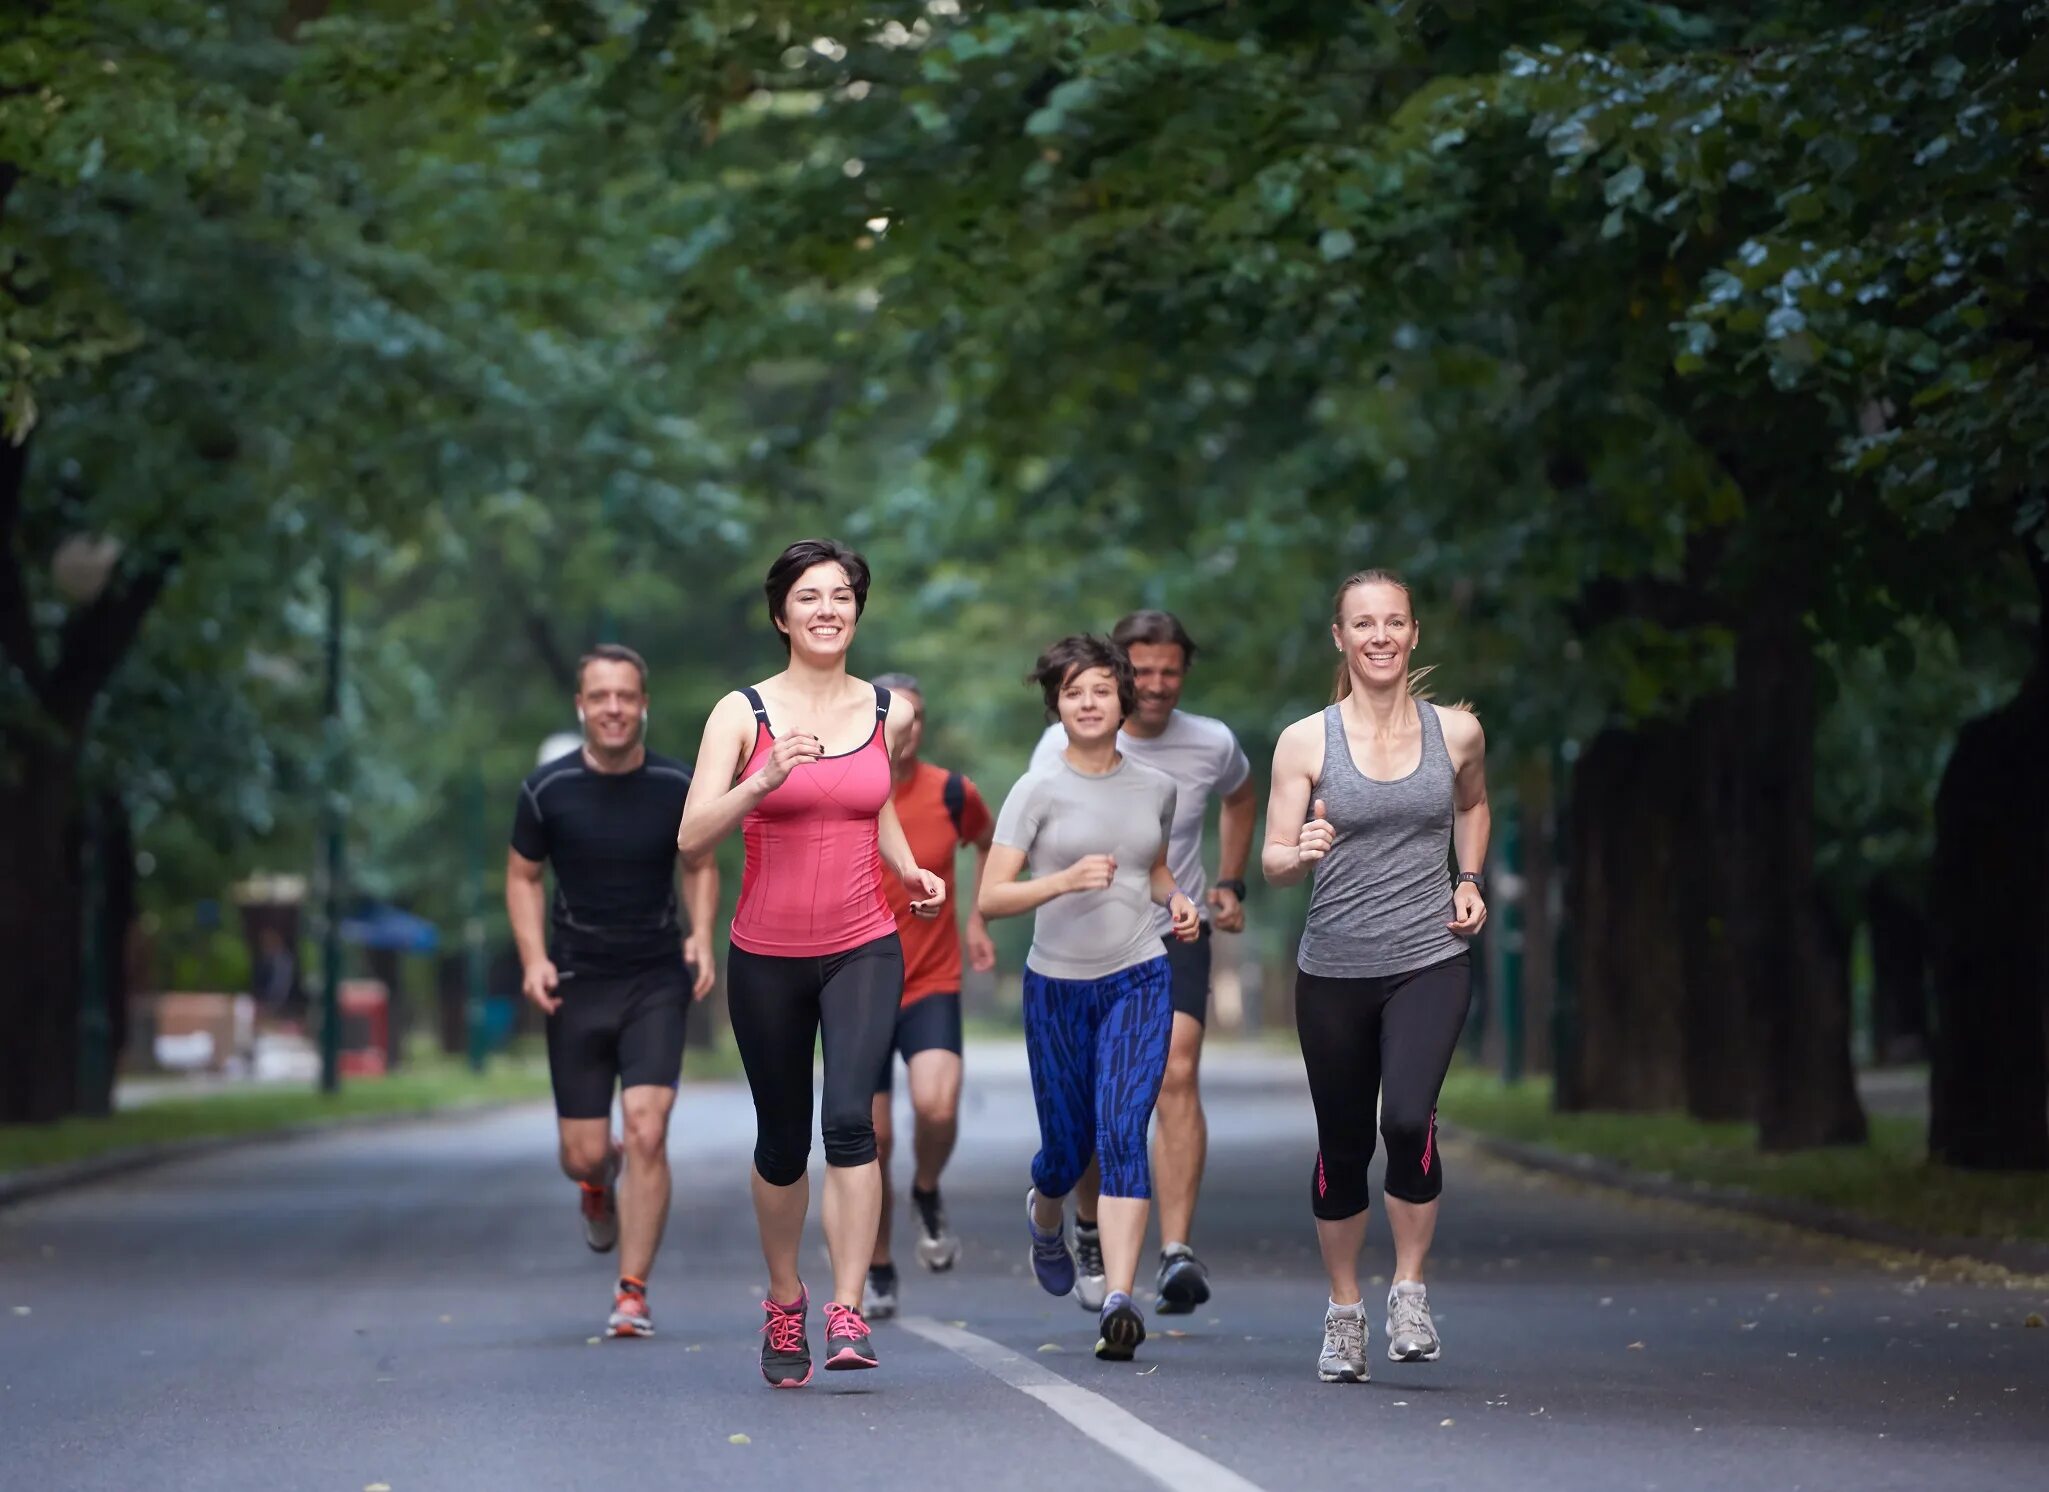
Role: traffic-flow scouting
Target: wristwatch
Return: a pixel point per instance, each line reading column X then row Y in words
column 1233, row 885
column 1474, row 877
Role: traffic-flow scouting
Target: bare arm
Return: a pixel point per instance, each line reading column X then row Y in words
column 717, row 803
column 526, row 903
column 981, row 948
column 1472, row 820
column 1298, row 761
column 1160, row 881
column 1234, row 825
column 700, row 880
column 1001, row 894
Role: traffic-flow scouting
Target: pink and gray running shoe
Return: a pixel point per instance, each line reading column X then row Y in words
column 847, row 1343
column 785, row 1350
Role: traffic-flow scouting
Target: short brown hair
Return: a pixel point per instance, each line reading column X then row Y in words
column 611, row 652
column 1078, row 654
column 1158, row 627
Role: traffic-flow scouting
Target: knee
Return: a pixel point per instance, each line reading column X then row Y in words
column 585, row 1159
column 782, row 1154
column 1406, row 1131
column 936, row 1106
column 849, row 1135
column 1179, row 1084
column 647, row 1137
column 1415, row 1172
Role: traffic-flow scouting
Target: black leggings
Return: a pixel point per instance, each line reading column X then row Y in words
column 779, row 1006
column 1389, row 1038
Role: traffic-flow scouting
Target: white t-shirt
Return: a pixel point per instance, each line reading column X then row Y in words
column 1201, row 756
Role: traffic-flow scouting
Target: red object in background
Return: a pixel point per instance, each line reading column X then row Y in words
column 365, row 1028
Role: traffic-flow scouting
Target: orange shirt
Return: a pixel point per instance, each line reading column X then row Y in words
column 932, row 946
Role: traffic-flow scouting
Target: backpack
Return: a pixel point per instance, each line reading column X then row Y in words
column 955, row 794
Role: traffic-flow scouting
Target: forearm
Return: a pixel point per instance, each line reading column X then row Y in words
column 1161, row 884
column 701, row 894
column 1469, row 833
column 705, row 824
column 1282, row 864
column 525, row 906
column 896, row 849
column 1234, row 829
column 975, row 891
column 1015, row 898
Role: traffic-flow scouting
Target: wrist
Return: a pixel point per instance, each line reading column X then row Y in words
column 1471, row 878
column 1233, row 884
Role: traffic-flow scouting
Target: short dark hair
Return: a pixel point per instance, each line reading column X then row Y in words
column 801, row 556
column 1160, row 627
column 1078, row 654
column 611, row 652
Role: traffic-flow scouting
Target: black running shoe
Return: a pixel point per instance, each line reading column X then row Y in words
column 1183, row 1282
column 938, row 1245
column 879, row 1301
column 785, row 1350
column 1119, row 1329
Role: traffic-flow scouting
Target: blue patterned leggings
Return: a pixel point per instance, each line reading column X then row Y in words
column 1098, row 1050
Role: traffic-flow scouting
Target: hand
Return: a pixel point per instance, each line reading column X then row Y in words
column 697, row 954
column 537, row 982
column 1227, row 913
column 791, row 752
column 1187, row 921
column 1471, row 910
column 1090, row 873
column 928, row 892
column 981, row 947
column 1318, row 835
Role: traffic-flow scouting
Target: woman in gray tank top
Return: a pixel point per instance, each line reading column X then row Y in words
column 1370, row 797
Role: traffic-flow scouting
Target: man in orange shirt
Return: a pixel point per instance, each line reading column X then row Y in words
column 941, row 812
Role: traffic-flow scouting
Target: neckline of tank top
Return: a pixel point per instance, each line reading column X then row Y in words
column 1422, row 749
column 761, row 723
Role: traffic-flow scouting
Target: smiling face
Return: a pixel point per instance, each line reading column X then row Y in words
column 1089, row 708
column 1159, row 669
column 1376, row 632
column 612, row 702
column 820, row 612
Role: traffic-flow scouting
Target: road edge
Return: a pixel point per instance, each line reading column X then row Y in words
column 42, row 1181
column 2017, row 1256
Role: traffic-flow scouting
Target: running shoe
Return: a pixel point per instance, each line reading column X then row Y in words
column 1119, row 1329
column 1089, row 1283
column 878, row 1303
column 630, row 1315
column 785, row 1350
column 1343, row 1359
column 1052, row 1261
column 1411, row 1334
column 1183, row 1283
column 601, row 1208
column 847, row 1343
column 938, row 1246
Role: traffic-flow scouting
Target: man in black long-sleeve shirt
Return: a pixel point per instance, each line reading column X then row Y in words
column 615, row 968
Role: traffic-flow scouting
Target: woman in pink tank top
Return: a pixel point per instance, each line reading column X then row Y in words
column 800, row 765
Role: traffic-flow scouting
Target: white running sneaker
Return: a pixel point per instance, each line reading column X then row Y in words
column 938, row 1245
column 1343, row 1359
column 1090, row 1285
column 878, row 1301
column 1411, row 1334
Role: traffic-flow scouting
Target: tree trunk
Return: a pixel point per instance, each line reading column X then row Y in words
column 39, row 933
column 1539, row 923
column 1988, row 932
column 1625, row 831
column 1899, row 973
column 1798, row 1000
column 1721, row 1050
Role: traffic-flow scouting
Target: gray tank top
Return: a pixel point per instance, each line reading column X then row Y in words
column 1381, row 897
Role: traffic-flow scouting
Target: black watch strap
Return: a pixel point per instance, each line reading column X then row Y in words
column 1473, row 876
column 1233, row 885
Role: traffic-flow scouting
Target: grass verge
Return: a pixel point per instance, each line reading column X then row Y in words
column 1888, row 1178
column 426, row 1084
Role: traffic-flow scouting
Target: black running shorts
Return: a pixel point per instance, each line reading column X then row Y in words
column 929, row 1023
column 625, row 1030
column 1188, row 966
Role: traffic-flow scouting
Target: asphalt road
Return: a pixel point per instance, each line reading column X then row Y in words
column 412, row 1307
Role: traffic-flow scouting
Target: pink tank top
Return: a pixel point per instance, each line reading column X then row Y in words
column 812, row 882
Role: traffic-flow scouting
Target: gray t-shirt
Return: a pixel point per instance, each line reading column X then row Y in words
column 1056, row 815
column 1202, row 758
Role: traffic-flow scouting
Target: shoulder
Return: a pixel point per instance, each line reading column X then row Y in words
column 1151, row 778
column 668, row 769
column 565, row 768
column 1461, row 727
column 1301, row 744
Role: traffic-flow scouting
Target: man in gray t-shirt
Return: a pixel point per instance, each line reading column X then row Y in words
column 1204, row 759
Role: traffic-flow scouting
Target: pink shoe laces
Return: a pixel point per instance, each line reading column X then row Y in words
column 785, row 1326
column 844, row 1321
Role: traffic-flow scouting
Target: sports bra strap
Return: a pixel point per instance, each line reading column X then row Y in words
column 881, row 702
column 760, row 710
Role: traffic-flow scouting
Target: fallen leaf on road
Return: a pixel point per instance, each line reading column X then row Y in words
column 1607, row 1300
column 30, row 1310
column 376, row 1487
column 446, row 1319
column 1401, row 1403
column 593, row 1341
column 1049, row 1346
column 738, row 1440
column 1635, row 1347
column 1176, row 1332
column 1746, row 1326
column 2034, row 1318
column 1444, row 1422
column 959, row 1324
column 1148, row 1372
column 695, row 1347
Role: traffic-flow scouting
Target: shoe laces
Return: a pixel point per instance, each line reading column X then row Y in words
column 1410, row 1311
column 784, row 1327
column 1344, row 1335
column 1088, row 1250
column 844, row 1321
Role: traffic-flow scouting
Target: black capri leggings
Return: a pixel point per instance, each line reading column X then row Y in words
column 779, row 1006
column 1390, row 1038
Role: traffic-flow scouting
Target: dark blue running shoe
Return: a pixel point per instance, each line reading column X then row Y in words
column 1120, row 1328
column 1052, row 1259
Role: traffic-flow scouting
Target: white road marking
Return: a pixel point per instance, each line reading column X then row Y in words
column 1164, row 1459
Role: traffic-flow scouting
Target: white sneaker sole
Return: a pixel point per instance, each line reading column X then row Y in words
column 1091, row 1290
column 1413, row 1354
column 628, row 1326
column 939, row 1254
column 1346, row 1375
